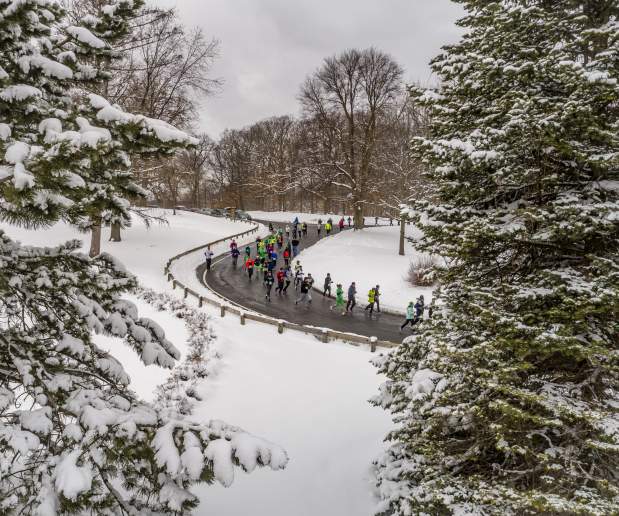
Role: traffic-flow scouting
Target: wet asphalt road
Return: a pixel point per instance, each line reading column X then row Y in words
column 235, row 285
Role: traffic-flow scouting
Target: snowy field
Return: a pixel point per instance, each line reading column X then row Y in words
column 310, row 218
column 291, row 389
column 369, row 258
column 144, row 251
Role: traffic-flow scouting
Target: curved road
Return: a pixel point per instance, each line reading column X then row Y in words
column 235, row 285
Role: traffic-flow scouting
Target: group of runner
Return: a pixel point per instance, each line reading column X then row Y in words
column 285, row 243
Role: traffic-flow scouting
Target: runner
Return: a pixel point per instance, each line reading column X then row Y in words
column 304, row 228
column 271, row 265
column 287, row 231
column 410, row 315
column 247, row 252
column 305, row 296
column 339, row 299
column 310, row 282
column 341, row 224
column 268, row 284
column 328, row 228
column 371, row 300
column 349, row 221
column 286, row 257
column 208, row 255
column 281, row 277
column 419, row 306
column 327, row 285
column 298, row 278
column 377, row 297
column 235, row 256
column 249, row 266
column 352, row 291
column 376, row 221
column 233, row 245
column 258, row 264
column 271, row 227
column 319, row 227
column 295, row 247
column 287, row 280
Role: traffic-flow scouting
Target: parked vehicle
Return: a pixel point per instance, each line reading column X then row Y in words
column 216, row 212
column 242, row 215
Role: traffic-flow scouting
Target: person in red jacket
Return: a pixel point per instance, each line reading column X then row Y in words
column 249, row 265
column 341, row 223
column 281, row 277
column 287, row 257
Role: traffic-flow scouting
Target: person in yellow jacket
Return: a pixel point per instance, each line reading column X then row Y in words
column 328, row 228
column 371, row 300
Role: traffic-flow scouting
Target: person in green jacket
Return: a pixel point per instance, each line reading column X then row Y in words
column 339, row 298
column 371, row 300
column 410, row 315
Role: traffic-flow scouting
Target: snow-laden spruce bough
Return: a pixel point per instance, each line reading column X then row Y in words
column 73, row 437
column 507, row 401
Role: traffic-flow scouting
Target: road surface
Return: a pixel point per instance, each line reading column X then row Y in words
column 235, row 285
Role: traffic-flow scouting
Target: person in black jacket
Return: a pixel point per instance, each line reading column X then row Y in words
column 352, row 292
column 305, row 293
column 268, row 284
column 327, row 286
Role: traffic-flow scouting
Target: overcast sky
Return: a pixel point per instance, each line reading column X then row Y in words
column 268, row 47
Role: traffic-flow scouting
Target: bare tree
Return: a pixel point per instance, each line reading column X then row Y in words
column 194, row 164
column 353, row 88
column 160, row 70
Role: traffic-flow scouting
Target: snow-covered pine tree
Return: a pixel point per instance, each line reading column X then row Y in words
column 507, row 400
column 73, row 436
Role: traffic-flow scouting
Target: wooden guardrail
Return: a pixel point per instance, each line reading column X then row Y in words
column 227, row 306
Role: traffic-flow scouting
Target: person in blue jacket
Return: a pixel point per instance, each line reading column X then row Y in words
column 235, row 256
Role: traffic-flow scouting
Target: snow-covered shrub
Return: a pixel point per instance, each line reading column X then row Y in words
column 422, row 271
column 179, row 391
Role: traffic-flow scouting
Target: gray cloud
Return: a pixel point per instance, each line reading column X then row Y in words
column 268, row 47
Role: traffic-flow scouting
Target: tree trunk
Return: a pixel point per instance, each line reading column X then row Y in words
column 402, row 230
column 115, row 232
column 358, row 215
column 95, row 237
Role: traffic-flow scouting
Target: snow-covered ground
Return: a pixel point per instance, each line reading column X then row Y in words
column 368, row 257
column 291, row 389
column 310, row 218
column 144, row 251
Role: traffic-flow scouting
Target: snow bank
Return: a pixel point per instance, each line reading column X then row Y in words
column 369, row 258
column 311, row 399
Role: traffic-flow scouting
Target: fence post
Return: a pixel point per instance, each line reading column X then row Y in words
column 200, row 301
column 373, row 344
column 170, row 277
column 242, row 316
column 173, row 284
column 222, row 310
column 280, row 327
column 325, row 335
column 185, row 292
